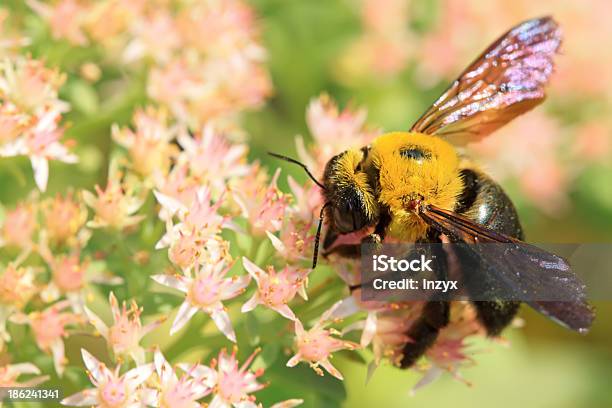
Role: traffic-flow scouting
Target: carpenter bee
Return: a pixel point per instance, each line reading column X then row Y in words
column 416, row 187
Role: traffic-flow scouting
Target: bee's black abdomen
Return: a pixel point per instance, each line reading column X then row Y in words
column 424, row 332
column 486, row 203
column 496, row 315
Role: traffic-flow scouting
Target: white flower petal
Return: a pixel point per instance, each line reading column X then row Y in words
column 253, row 270
column 25, row 368
column 96, row 322
column 326, row 364
column 222, row 320
column 40, row 166
column 59, row 357
column 369, row 329
column 285, row 311
column 250, row 304
column 97, row 369
column 276, row 242
column 138, row 375
column 185, row 313
column 175, row 282
column 293, row 361
column 171, row 204
column 288, row 404
column 430, row 376
column 163, row 368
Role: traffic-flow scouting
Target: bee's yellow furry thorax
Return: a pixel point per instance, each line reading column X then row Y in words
column 415, row 165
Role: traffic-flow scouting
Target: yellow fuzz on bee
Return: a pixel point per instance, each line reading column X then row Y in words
column 435, row 178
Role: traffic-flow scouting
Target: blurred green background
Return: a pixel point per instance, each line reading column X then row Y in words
column 336, row 46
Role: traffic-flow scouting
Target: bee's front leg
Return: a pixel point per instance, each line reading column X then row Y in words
column 380, row 231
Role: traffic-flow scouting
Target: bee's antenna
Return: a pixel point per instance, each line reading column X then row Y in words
column 315, row 255
column 302, row 165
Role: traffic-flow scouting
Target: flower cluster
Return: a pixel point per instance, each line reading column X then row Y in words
column 207, row 63
column 30, row 115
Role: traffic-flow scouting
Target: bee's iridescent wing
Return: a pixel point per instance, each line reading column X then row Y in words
column 522, row 271
column 506, row 81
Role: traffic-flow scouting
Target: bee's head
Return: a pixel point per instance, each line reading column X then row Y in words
column 352, row 205
column 416, row 170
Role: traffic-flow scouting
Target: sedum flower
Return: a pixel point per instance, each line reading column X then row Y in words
column 30, row 86
column 211, row 157
column 49, row 329
column 230, row 382
column 149, row 144
column 69, row 277
column 295, row 240
column 111, row 389
column 65, row 17
column 206, row 291
column 275, row 289
column 316, row 345
column 19, row 226
column 179, row 185
column 265, row 206
column 126, row 332
column 194, row 239
column 64, row 219
column 41, row 143
column 10, row 373
column 333, row 131
column 154, row 35
column 17, row 287
column 183, row 392
column 114, row 207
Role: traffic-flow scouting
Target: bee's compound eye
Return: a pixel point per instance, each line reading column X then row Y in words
column 415, row 153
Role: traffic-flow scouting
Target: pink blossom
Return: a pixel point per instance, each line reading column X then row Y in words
column 111, row 389
column 179, row 184
column 206, row 291
column 19, row 226
column 126, row 332
column 194, row 239
column 333, row 131
column 41, row 143
column 114, row 207
column 17, row 286
column 65, row 18
column 295, row 241
column 148, row 144
column 31, row 86
column 64, row 219
column 316, row 345
column 265, row 206
column 183, row 392
column 154, row 35
column 49, row 329
column 231, row 383
column 275, row 289
column 211, row 157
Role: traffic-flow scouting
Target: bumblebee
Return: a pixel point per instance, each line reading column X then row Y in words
column 416, row 186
